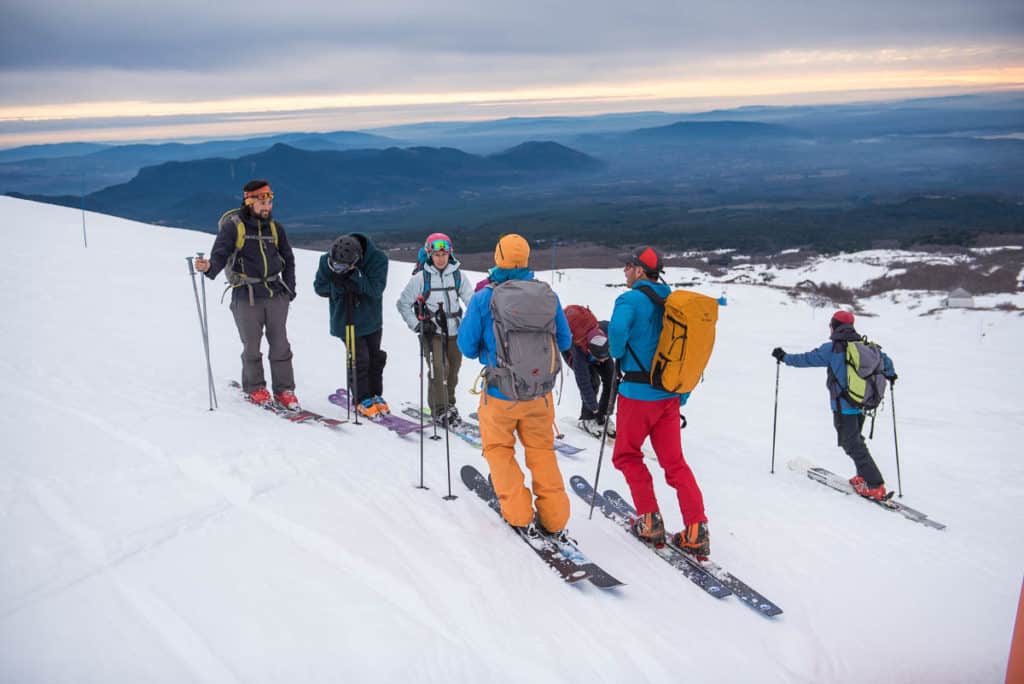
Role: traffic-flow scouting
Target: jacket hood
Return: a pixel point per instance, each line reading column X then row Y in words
column 844, row 333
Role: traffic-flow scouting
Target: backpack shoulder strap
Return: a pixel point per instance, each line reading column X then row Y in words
column 655, row 298
column 635, row 376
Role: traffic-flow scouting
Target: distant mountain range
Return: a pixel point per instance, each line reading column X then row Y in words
column 762, row 177
column 86, row 167
column 317, row 183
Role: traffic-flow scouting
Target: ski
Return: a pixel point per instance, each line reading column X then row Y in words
column 547, row 550
column 561, row 446
column 464, row 430
column 299, row 416
column 400, row 426
column 838, row 483
column 740, row 589
column 696, row 574
column 597, row 575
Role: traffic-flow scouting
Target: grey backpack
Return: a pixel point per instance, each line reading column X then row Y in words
column 524, row 332
column 865, row 382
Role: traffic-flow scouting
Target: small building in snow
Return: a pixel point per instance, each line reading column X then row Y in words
column 959, row 299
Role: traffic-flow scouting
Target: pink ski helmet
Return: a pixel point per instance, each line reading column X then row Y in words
column 438, row 242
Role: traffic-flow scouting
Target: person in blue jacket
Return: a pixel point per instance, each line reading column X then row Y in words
column 502, row 417
column 644, row 411
column 353, row 276
column 847, row 419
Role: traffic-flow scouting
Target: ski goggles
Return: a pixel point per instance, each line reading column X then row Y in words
column 263, row 196
column 439, row 246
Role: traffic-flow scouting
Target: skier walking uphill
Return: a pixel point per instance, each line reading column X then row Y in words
column 592, row 367
column 847, row 419
column 438, row 279
column 516, row 328
column 260, row 266
column 644, row 411
column 353, row 276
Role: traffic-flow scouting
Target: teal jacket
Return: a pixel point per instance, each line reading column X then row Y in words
column 370, row 277
column 637, row 322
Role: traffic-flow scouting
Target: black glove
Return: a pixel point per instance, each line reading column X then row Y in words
column 567, row 355
column 778, row 353
column 426, row 327
column 292, row 296
column 339, row 278
column 892, row 378
column 599, row 418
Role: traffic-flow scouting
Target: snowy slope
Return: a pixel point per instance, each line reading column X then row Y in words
column 149, row 539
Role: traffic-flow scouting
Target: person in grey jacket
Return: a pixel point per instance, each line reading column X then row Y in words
column 437, row 285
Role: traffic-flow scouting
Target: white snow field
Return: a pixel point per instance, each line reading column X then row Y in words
column 148, row 539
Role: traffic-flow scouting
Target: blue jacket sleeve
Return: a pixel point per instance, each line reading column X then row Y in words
column 619, row 325
column 470, row 339
column 816, row 358
column 888, row 369
column 563, row 335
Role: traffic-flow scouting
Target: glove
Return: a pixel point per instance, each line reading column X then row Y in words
column 292, row 296
column 779, row 354
column 339, row 278
column 599, row 418
column 567, row 355
column 892, row 379
column 426, row 327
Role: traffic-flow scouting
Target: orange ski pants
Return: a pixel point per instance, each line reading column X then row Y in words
column 500, row 421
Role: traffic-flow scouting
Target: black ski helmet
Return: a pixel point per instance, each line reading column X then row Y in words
column 346, row 251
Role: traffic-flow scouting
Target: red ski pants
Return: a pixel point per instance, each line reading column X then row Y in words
column 635, row 420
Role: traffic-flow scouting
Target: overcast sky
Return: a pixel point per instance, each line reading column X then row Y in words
column 120, row 70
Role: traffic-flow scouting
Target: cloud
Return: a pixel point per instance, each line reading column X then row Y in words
column 63, row 53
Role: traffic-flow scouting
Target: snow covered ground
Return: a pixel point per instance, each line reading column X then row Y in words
column 147, row 538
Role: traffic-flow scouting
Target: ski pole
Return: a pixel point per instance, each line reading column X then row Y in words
column 206, row 333
column 351, row 360
column 604, row 434
column 895, row 440
column 775, row 417
column 202, row 332
column 442, row 324
column 418, row 308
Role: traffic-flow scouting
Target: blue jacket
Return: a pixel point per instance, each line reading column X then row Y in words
column 637, row 322
column 832, row 355
column 370, row 278
column 476, row 333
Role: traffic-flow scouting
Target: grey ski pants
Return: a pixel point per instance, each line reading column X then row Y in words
column 270, row 314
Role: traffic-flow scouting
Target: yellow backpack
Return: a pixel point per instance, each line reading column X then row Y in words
column 686, row 342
